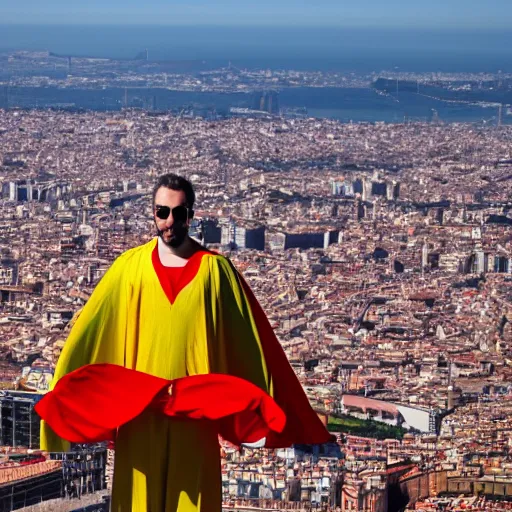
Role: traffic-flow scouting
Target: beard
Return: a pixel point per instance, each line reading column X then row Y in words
column 173, row 237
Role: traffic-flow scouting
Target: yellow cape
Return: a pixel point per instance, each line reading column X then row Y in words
column 162, row 464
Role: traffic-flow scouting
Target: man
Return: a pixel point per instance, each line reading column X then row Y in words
column 172, row 309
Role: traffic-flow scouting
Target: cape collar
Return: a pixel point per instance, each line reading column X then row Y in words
column 189, row 272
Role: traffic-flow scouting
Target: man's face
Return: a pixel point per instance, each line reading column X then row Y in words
column 172, row 231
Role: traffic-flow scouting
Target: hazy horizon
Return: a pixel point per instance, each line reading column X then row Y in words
column 299, row 47
column 369, row 26
column 393, row 13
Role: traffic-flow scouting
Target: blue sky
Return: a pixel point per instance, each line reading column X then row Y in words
column 431, row 14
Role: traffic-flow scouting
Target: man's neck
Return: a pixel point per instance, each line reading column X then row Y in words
column 176, row 256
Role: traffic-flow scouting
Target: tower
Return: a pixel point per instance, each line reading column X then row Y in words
column 13, row 191
column 389, row 191
column 262, row 102
column 30, row 191
column 367, row 190
column 4, row 96
column 424, row 255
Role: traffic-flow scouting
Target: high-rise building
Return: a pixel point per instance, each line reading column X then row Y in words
column 4, row 97
column 501, row 264
column 360, row 210
column 13, row 191
column 239, row 237
column 211, row 232
column 424, row 255
column 480, row 262
column 19, row 425
column 367, row 190
column 30, row 191
column 8, row 271
column 378, row 188
column 267, row 101
column 392, row 190
column 320, row 239
column 357, row 186
column 348, row 190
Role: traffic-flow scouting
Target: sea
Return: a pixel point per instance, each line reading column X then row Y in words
column 342, row 104
column 344, row 49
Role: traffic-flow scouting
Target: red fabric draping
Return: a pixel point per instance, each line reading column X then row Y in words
column 91, row 403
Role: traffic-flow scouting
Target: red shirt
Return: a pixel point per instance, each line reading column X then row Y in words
column 173, row 274
column 174, row 279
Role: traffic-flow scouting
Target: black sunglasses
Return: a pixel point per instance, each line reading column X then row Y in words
column 179, row 213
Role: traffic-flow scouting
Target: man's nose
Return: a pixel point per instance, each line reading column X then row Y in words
column 169, row 221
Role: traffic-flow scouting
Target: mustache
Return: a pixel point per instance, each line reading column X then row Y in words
column 175, row 230
column 171, row 231
column 161, row 232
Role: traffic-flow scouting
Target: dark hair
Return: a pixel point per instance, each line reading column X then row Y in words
column 175, row 182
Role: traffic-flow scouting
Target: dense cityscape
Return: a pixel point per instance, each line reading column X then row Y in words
column 381, row 253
